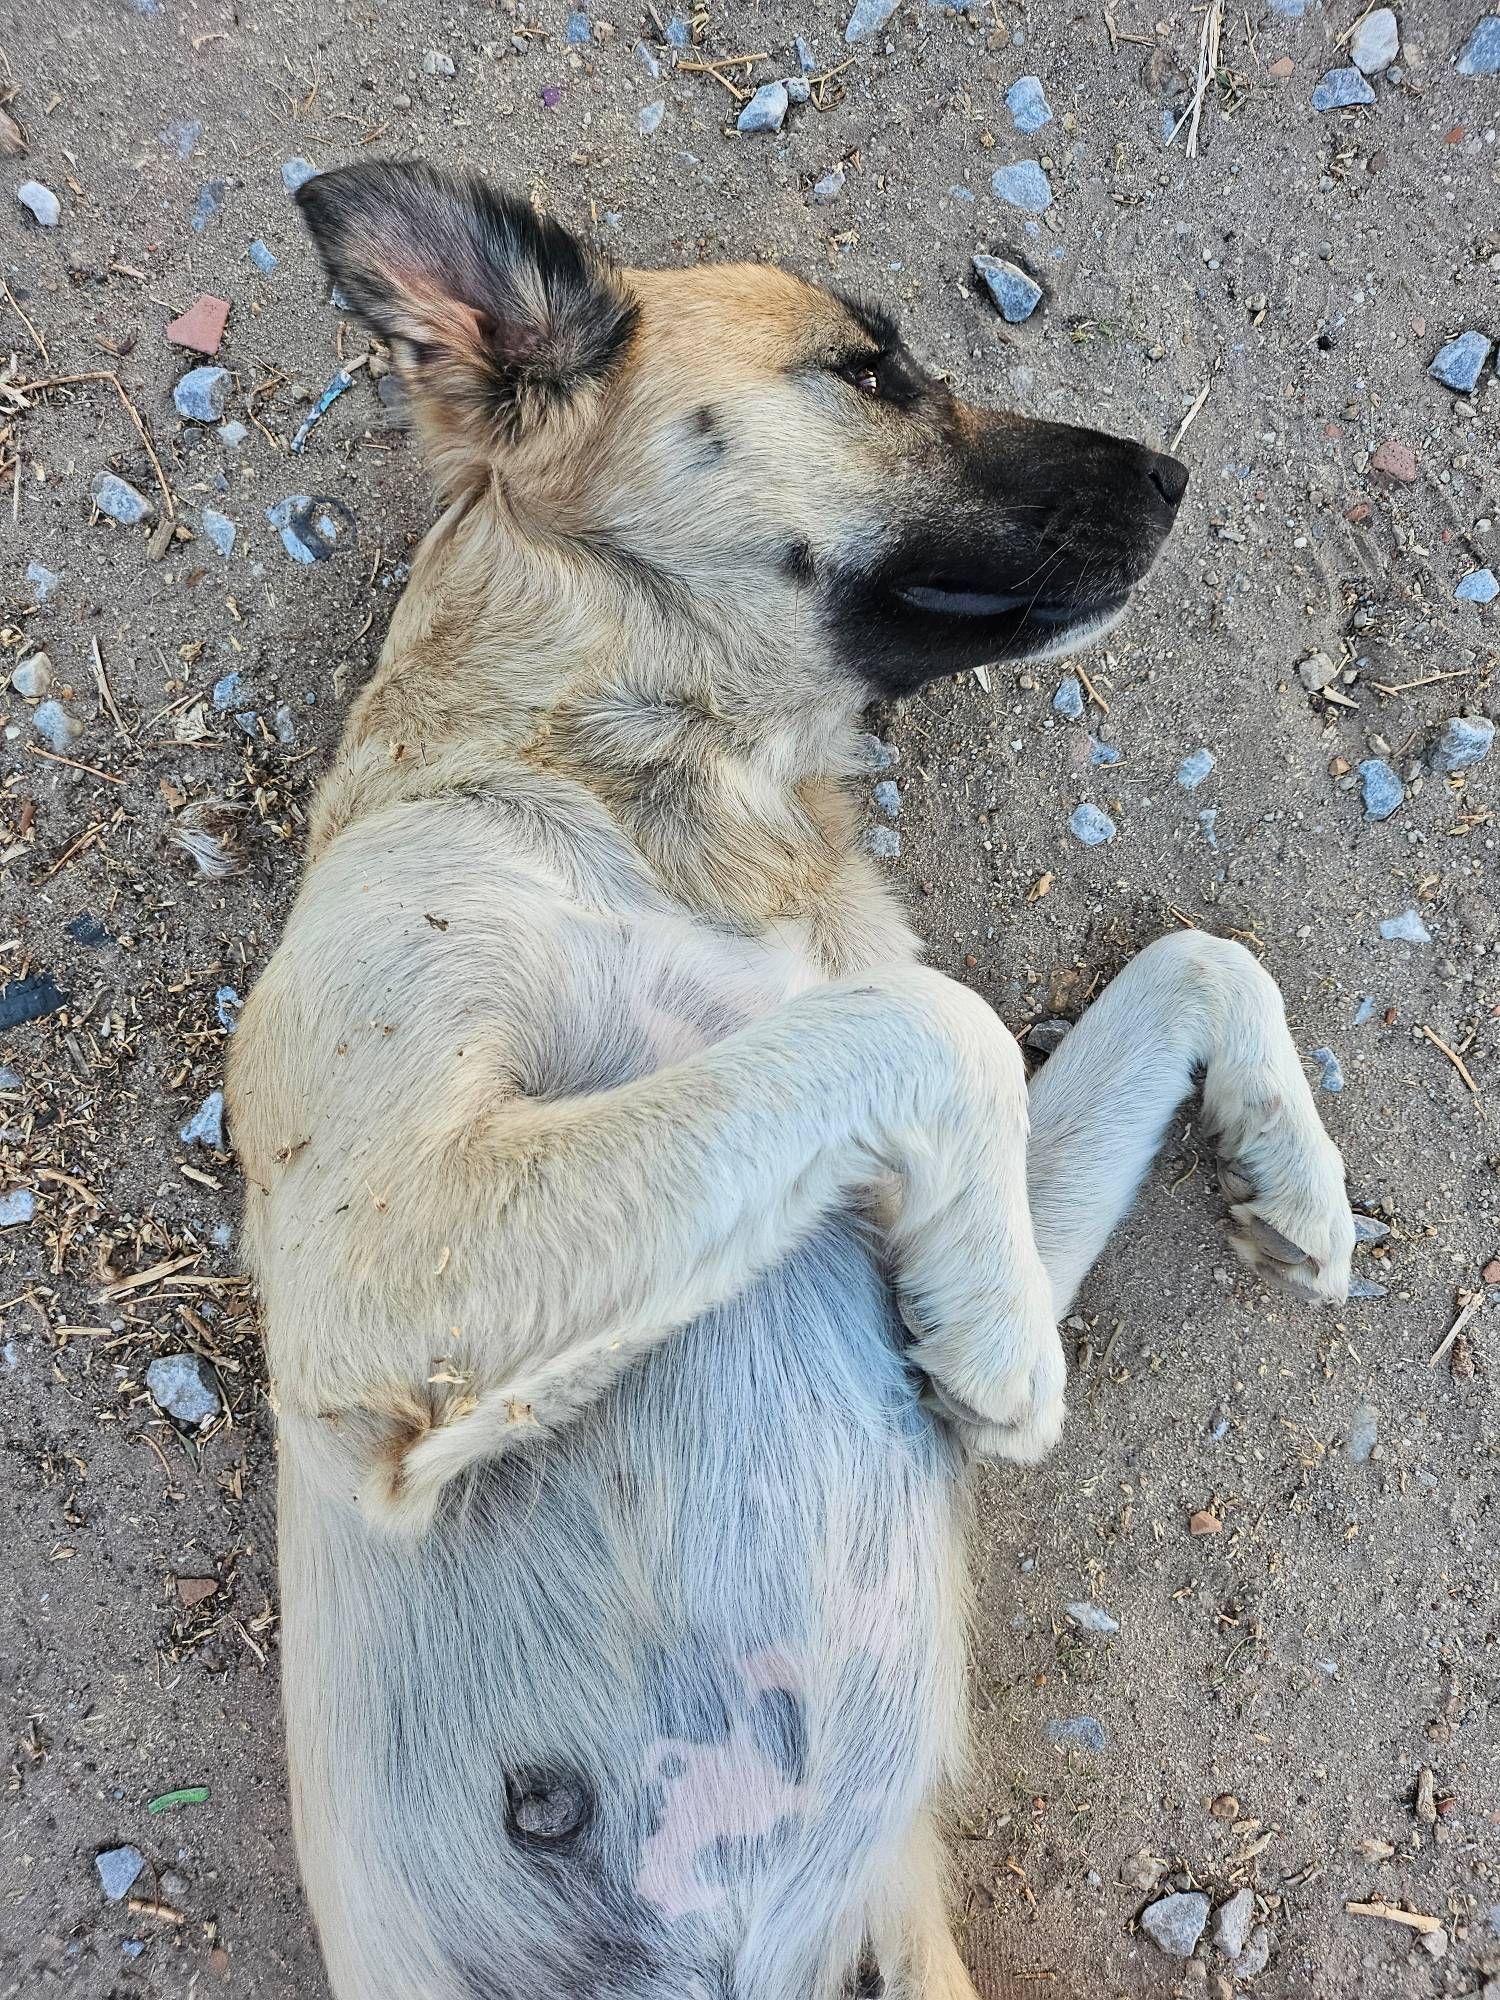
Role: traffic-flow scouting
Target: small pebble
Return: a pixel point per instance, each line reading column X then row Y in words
column 798, row 89
column 16, row 1208
column 227, row 692
column 883, row 842
column 233, row 433
column 868, row 18
column 1480, row 586
column 200, row 394
column 650, row 116
column 57, row 729
column 1017, row 295
column 263, row 257
column 1316, row 671
column 1459, row 363
column 118, row 1868
column 42, row 203
column 1194, row 768
column 1257, row 1954
column 206, row 207
column 227, row 1005
column 807, row 62
column 580, row 29
column 219, row 529
column 1027, row 104
column 1208, row 821
column 297, row 173
column 310, row 528
column 1068, row 701
column 766, row 111
column 1175, row 1924
column 42, row 580
column 647, row 61
column 830, row 187
column 1408, row 928
column 1365, row 1288
column 32, row 678
column 1340, row 88
column 185, row 1387
column 1396, row 461
column 1375, row 42
column 1093, row 1618
column 1093, row 827
column 1380, row 788
column 284, row 723
column 874, row 755
column 1233, row 1924
column 1365, row 1011
column 1102, row 753
column 1480, row 55
column 887, row 797
column 1045, row 1037
column 1466, row 740
column 1078, row 1732
column 1370, row 1229
column 1364, row 1433
column 115, row 497
column 1331, row 1078
column 1024, row 186
column 206, row 1126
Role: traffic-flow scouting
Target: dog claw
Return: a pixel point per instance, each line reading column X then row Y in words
column 1267, row 1237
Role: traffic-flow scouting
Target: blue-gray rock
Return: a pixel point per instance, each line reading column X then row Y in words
column 1380, row 788
column 1023, row 185
column 883, row 842
column 247, row 722
column 10, row 1079
column 1208, row 820
column 1370, row 1229
column 219, row 529
column 1365, row 1288
column 1480, row 55
column 1233, row 1923
column 958, row 193
column 233, row 433
column 206, row 1126
column 115, row 497
column 1194, row 768
column 874, row 755
column 1068, row 701
column 1478, row 587
column 30, row 999
column 647, row 61
column 1459, row 363
column 200, row 394
column 57, row 728
column 647, row 120
column 1016, row 294
column 1027, row 104
column 1408, row 928
column 868, row 18
column 263, row 257
column 1045, row 1038
column 1093, row 1618
column 1340, row 88
column 807, row 62
column 297, row 173
column 311, row 526
column 16, row 1208
column 1330, row 1070
column 1365, row 1011
column 227, row 1005
column 1093, row 827
column 284, row 723
column 227, row 692
column 1256, row 1956
column 830, row 187
column 210, row 200
column 766, row 111
column 1466, row 740
column 1102, row 753
column 887, row 797
column 118, row 1868
column 41, row 202
column 798, row 89
column 1175, row 1924
column 133, row 1947
column 1364, row 1433
column 32, row 678
column 42, row 580
column 181, row 135
column 679, row 32
column 1376, row 41
column 185, row 1387
column 1077, row 1732
column 580, row 29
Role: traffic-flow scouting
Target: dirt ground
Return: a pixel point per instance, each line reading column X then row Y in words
column 1277, row 1688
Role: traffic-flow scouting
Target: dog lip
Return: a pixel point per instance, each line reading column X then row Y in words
column 960, row 601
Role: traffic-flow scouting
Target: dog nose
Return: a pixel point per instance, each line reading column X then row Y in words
column 1168, row 475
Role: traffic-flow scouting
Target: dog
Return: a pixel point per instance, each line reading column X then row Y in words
column 646, row 1239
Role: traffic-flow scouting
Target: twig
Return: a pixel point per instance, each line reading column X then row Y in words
column 1413, row 1919
column 107, row 375
column 1092, row 692
column 73, row 764
column 17, row 308
column 106, row 692
column 1208, row 63
column 1197, row 404
column 1427, row 680
column 68, row 854
column 1469, row 1312
column 1452, row 1054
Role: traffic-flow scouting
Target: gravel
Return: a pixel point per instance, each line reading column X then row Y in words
column 1175, row 1924
column 1090, row 825
column 1396, row 461
column 1364, row 1433
column 1077, row 1732
column 1340, row 88
column 33, row 677
column 1045, row 1037
column 650, row 116
column 1068, row 700
column 830, row 187
column 1480, row 55
column 1093, row 1617
column 118, row 1868
column 1330, row 1070
column 185, row 1387
column 868, row 18
column 1027, row 104
column 263, row 257
column 1480, row 586
column 1194, row 768
column 16, row 1208
column 1408, row 928
column 1016, row 294
column 42, row 203
column 1376, row 42
column 1024, row 186
column 206, row 1126
column 883, row 842
column 1234, row 1922
column 887, row 797
column 117, row 498
column 57, row 728
column 1459, row 363
column 1380, row 788
column 219, row 529
column 297, row 173
column 1256, row 1955
column 1466, row 740
column 42, row 580
column 1316, row 671
column 766, row 111
column 1370, row 1229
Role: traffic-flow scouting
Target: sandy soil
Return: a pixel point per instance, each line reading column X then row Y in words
column 1339, row 1635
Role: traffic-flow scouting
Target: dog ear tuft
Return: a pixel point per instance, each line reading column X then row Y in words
column 497, row 312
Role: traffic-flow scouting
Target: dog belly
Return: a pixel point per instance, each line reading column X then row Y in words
column 653, row 1703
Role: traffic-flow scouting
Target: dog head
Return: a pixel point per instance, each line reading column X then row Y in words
column 735, row 433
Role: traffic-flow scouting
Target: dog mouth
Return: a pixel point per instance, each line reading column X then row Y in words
column 953, row 598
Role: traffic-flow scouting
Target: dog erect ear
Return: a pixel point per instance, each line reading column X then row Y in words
column 504, row 316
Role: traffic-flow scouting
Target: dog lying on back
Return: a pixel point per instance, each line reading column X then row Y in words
column 646, row 1238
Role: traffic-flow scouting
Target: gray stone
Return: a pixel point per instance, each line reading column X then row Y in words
column 1459, row 363
column 263, row 257
column 57, row 729
column 185, row 1387
column 1408, row 928
column 1365, row 1011
column 874, row 755
column 227, row 693
column 1380, row 788
column 284, row 723
column 1077, row 1732
column 1480, row 55
column 1045, row 1037
column 233, row 433
column 1023, row 185
column 807, row 62
column 118, row 1868
column 1027, row 104
column 1365, row 1288
column 227, row 1005
column 206, row 1126
column 1103, row 753
column 200, row 394
column 10, row 1079
column 1093, row 827
column 650, row 116
column 219, row 529
column 580, row 30
column 887, row 797
column 1194, row 768
column 1068, row 701
column 1233, row 1924
column 1370, row 1229
column 647, row 61
column 41, row 202
column 115, row 497
column 42, row 580
column 1175, row 1924
column 868, row 18
column 1331, row 1075
column 1093, row 1618
column 1016, row 294
column 1316, row 671
column 32, row 678
column 883, row 842
column 206, row 207
column 1364, row 1433
column 1340, row 88
column 1256, row 1955
column 830, row 187
column 1375, row 42
column 17, row 1207
column 1466, row 740
column 311, row 527
column 1480, row 586
column 297, row 173
column 437, row 62
column 798, row 89
column 766, row 111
